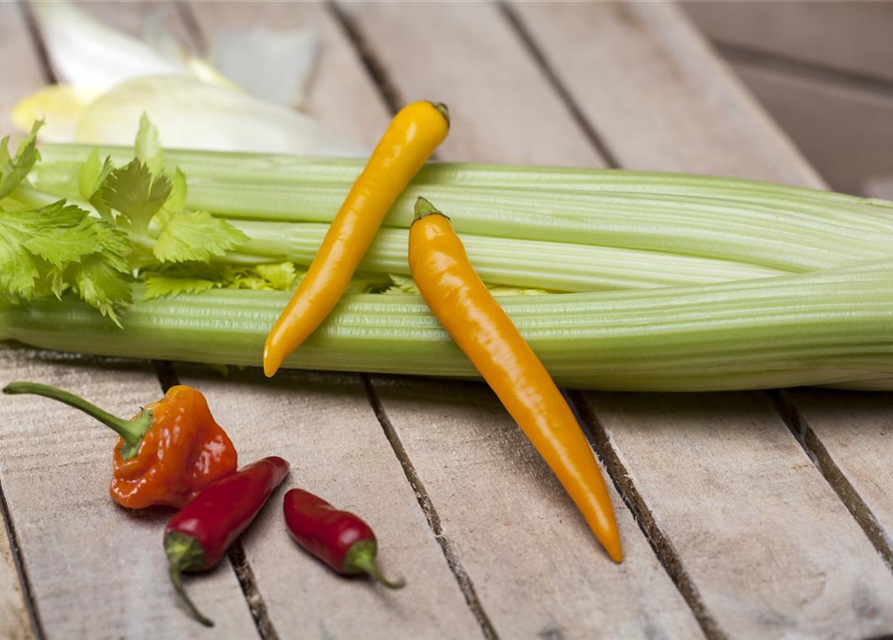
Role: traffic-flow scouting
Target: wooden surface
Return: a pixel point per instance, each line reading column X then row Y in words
column 732, row 527
column 848, row 35
column 815, row 63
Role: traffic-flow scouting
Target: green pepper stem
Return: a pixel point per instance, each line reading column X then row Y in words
column 131, row 431
column 184, row 597
column 423, row 207
column 444, row 111
column 185, row 553
column 360, row 558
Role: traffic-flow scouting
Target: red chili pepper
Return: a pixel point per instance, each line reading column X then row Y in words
column 198, row 536
column 339, row 538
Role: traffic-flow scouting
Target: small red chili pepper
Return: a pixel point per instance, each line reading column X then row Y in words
column 166, row 454
column 198, row 536
column 338, row 538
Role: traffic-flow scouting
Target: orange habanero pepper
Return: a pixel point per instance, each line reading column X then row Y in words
column 169, row 451
column 458, row 298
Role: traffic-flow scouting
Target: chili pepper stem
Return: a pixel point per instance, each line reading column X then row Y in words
column 444, row 111
column 185, row 554
column 131, row 431
column 360, row 558
column 424, row 208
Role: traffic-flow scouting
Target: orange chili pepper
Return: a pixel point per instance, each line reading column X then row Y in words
column 410, row 140
column 166, row 454
column 457, row 296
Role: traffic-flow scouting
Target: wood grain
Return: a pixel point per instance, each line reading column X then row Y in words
column 96, row 570
column 853, row 153
column 849, row 36
column 656, row 93
column 773, row 551
column 519, row 536
column 468, row 57
column 24, row 75
column 14, row 623
column 842, row 423
column 323, row 424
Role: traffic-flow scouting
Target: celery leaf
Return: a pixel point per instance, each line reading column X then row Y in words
column 45, row 251
column 148, row 145
column 14, row 170
column 280, row 276
column 196, row 236
column 132, row 191
column 160, row 284
column 33, row 241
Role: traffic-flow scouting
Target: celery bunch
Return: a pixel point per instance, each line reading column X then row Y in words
column 644, row 280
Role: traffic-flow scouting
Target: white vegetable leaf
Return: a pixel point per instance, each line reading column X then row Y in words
column 14, row 170
column 196, row 236
column 133, row 191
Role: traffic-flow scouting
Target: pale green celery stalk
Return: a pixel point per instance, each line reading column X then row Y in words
column 714, row 229
column 61, row 162
column 507, row 261
column 253, row 167
column 704, row 227
column 828, row 328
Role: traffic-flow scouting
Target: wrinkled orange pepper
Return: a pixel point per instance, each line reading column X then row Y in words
column 458, row 298
column 166, row 454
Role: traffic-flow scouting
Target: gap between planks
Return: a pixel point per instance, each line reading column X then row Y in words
column 822, row 459
column 431, row 515
column 168, row 377
column 737, row 53
column 19, row 561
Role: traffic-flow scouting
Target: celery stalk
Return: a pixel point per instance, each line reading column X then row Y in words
column 829, row 328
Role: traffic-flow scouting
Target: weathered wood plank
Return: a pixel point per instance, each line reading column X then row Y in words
column 849, row 36
column 470, row 59
column 14, row 623
column 519, row 536
column 338, row 78
column 841, row 422
column 79, row 548
column 508, row 523
column 657, row 95
column 323, row 424
column 24, row 75
column 757, row 528
column 856, row 150
column 695, row 90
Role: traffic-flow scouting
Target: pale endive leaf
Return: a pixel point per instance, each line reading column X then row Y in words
column 86, row 53
column 195, row 115
column 273, row 65
column 60, row 105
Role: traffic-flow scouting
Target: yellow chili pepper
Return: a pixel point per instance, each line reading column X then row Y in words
column 458, row 298
column 410, row 140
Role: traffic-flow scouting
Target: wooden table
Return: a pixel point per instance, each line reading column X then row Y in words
column 744, row 515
